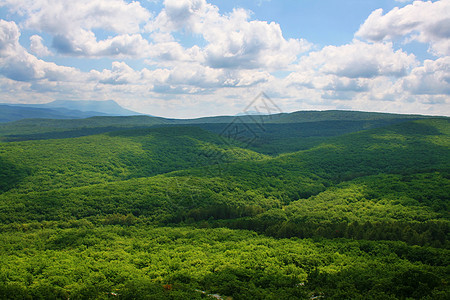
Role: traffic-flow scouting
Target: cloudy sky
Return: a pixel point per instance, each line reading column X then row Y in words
column 192, row 58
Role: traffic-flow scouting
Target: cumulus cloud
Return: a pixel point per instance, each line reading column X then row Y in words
column 9, row 36
column 184, row 78
column 370, row 72
column 239, row 43
column 432, row 78
column 172, row 53
column 228, row 57
column 183, row 13
column 87, row 45
column 17, row 64
column 426, row 22
column 120, row 73
column 233, row 41
column 37, row 47
column 72, row 23
column 359, row 60
column 207, row 79
column 123, row 45
column 59, row 16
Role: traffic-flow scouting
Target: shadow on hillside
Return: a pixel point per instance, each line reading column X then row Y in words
column 10, row 175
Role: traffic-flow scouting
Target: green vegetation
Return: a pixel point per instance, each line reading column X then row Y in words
column 82, row 260
column 355, row 206
column 66, row 163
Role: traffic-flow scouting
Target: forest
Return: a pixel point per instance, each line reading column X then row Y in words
column 306, row 205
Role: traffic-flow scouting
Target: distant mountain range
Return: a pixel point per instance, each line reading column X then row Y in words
column 62, row 109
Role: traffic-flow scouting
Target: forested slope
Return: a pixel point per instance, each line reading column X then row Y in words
column 336, row 208
column 56, row 128
column 64, row 163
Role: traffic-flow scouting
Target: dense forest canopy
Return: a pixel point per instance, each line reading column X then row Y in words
column 308, row 205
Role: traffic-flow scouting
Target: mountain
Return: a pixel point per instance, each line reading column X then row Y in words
column 9, row 113
column 62, row 110
column 108, row 107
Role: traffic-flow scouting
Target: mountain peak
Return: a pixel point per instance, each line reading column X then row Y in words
column 109, row 107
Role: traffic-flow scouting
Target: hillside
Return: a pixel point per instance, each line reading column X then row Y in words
column 217, row 174
column 274, row 134
column 347, row 209
column 51, row 164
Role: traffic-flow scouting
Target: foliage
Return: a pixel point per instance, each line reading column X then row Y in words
column 81, row 260
column 141, row 212
column 63, row 163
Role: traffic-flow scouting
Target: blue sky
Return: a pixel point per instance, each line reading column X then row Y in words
column 192, row 58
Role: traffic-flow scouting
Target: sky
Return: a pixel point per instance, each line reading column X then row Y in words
column 195, row 58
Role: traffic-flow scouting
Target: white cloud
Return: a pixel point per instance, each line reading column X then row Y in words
column 172, row 53
column 184, row 13
column 120, row 73
column 9, row 36
column 227, row 60
column 183, row 78
column 432, row 78
column 233, row 41
column 370, row 75
column 37, row 47
column 17, row 64
column 426, row 22
column 359, row 60
column 60, row 17
column 123, row 45
column 72, row 23
column 239, row 43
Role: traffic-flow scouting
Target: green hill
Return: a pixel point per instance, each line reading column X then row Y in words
column 26, row 128
column 340, row 205
column 206, row 176
column 56, row 163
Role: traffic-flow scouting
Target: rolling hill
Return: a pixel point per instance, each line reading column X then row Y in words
column 274, row 134
column 343, row 205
